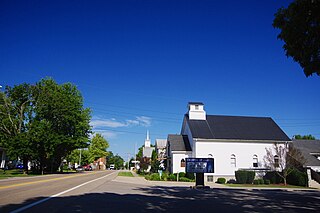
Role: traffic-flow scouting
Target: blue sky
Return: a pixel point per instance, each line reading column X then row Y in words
column 138, row 63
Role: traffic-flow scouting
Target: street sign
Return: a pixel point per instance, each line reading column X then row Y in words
column 199, row 165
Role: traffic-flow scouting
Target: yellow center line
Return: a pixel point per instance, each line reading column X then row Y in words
column 43, row 181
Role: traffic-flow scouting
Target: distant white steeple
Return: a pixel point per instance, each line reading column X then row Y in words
column 147, row 140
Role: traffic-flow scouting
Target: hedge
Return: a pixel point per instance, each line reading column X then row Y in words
column 258, row 181
column 273, row 177
column 245, row 177
column 297, row 178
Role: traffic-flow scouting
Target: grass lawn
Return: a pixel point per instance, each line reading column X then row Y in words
column 264, row 186
column 13, row 173
column 126, row 174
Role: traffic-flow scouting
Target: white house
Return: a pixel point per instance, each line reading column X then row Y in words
column 234, row 142
column 161, row 146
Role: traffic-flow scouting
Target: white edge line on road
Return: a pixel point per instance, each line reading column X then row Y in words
column 56, row 195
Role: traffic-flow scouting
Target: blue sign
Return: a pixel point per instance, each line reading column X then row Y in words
column 199, row 165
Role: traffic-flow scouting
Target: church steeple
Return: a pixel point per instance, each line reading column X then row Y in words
column 147, row 140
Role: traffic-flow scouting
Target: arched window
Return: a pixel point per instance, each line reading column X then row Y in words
column 233, row 161
column 183, row 163
column 255, row 161
column 276, row 161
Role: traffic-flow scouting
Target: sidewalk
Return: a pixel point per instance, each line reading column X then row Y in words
column 142, row 181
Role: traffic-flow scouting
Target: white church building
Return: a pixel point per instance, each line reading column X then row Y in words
column 234, row 142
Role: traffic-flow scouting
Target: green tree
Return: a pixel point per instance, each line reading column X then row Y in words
column 139, row 154
column 74, row 156
column 300, row 31
column 116, row 160
column 43, row 122
column 16, row 106
column 304, row 137
column 98, row 147
column 61, row 107
column 154, row 162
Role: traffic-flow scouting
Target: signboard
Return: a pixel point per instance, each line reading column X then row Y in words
column 199, row 165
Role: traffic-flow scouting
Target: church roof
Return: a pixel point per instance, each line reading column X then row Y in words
column 161, row 143
column 179, row 143
column 236, row 128
column 147, row 151
column 309, row 149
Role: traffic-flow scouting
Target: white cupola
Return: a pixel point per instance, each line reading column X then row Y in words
column 196, row 111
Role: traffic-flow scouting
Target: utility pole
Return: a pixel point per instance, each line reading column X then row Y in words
column 128, row 157
column 80, row 158
column 135, row 156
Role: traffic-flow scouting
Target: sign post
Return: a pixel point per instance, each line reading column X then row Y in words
column 199, row 166
column 160, row 173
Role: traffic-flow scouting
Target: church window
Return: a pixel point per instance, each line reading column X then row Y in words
column 183, row 163
column 276, row 161
column 233, row 160
column 255, row 161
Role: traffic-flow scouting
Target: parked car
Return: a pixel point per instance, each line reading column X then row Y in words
column 19, row 166
column 79, row 169
column 87, row 167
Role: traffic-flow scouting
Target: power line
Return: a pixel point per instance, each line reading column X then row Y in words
column 130, row 132
column 133, row 108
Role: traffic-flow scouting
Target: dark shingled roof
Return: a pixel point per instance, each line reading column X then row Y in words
column 196, row 103
column 236, row 127
column 179, row 143
column 306, row 147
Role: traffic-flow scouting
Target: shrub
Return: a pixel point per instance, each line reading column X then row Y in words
column 273, row 177
column 250, row 177
column 245, row 177
column 258, row 181
column 297, row 178
column 241, row 176
column 147, row 177
column 232, row 181
column 154, row 176
column 267, row 182
column 261, row 181
column 190, row 176
column 182, row 174
column 221, row 180
column 165, row 176
column 172, row 177
column 184, row 179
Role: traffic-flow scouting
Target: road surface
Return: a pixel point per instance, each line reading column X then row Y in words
column 105, row 192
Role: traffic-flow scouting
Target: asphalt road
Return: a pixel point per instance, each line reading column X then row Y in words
column 108, row 193
column 20, row 192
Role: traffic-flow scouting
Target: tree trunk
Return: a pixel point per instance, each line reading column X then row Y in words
column 285, row 181
column 41, row 168
column 25, row 165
